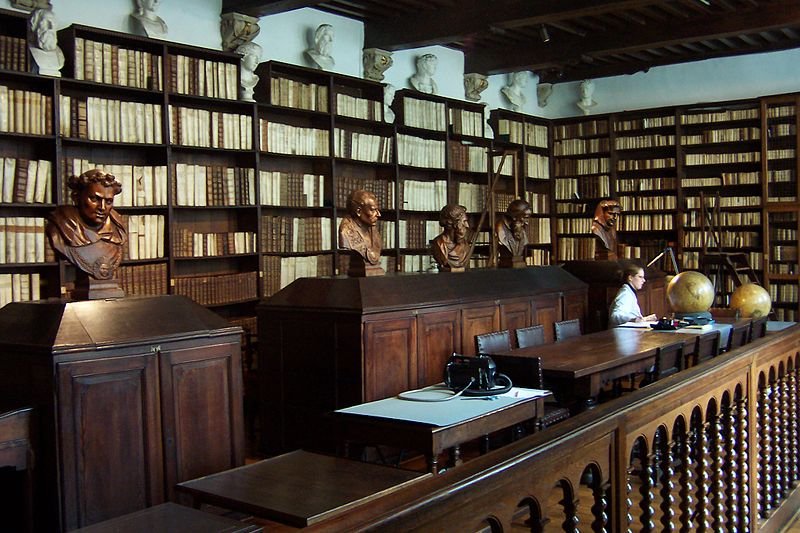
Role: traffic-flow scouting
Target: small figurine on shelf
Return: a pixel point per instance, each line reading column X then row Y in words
column 145, row 14
column 604, row 227
column 586, row 103
column 451, row 249
column 358, row 233
column 511, row 230
column 388, row 98
column 320, row 54
column 423, row 79
column 251, row 56
column 515, row 90
column 90, row 234
column 47, row 56
column 376, row 62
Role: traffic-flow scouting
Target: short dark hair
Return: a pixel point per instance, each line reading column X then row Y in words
column 77, row 184
column 450, row 213
column 629, row 269
column 357, row 198
column 518, row 208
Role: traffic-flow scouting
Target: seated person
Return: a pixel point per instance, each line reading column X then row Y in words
column 625, row 307
column 451, row 248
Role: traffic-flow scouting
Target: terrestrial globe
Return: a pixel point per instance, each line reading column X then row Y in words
column 751, row 300
column 690, row 292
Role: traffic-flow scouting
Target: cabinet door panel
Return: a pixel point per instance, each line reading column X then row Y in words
column 547, row 311
column 515, row 315
column 390, row 357
column 109, row 430
column 575, row 306
column 477, row 320
column 201, row 390
column 439, row 337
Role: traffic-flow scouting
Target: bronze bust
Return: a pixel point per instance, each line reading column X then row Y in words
column 359, row 234
column 451, row 249
column 604, row 227
column 90, row 234
column 511, row 230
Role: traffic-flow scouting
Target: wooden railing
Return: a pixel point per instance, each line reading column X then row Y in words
column 713, row 448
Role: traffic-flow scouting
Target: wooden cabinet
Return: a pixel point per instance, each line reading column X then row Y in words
column 439, row 335
column 475, row 320
column 132, row 396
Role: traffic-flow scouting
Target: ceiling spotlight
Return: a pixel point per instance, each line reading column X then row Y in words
column 544, row 34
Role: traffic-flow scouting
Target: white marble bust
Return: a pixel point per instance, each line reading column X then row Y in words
column 320, row 54
column 423, row 79
column 543, row 92
column 515, row 90
column 47, row 56
column 251, row 57
column 388, row 98
column 586, row 103
column 150, row 22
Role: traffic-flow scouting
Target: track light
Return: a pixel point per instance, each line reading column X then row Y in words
column 544, row 34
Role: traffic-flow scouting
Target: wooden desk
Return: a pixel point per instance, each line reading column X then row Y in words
column 353, row 426
column 577, row 368
column 173, row 518
column 299, row 488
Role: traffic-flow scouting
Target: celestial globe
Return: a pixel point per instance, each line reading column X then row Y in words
column 751, row 300
column 690, row 292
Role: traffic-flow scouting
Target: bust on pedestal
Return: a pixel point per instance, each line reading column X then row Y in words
column 47, row 56
column 320, row 53
column 511, row 230
column 251, row 56
column 604, row 227
column 90, row 234
column 451, row 249
column 152, row 25
column 359, row 234
column 423, row 80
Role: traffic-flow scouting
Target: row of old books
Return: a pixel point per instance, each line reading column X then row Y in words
column 117, row 65
column 537, row 166
column 383, row 189
column 189, row 126
column 418, row 233
column 472, row 196
column 417, row 263
column 281, row 271
column 424, row 114
column 727, row 239
column 145, row 236
column 644, row 123
column 737, row 218
column 720, row 116
column 644, row 141
column 190, row 243
column 101, row 119
column 651, row 184
column 423, row 195
column 291, row 189
column 19, row 287
column 25, row 112
column 465, row 122
column 639, row 203
column 25, row 181
column 13, row 53
column 467, row 158
column 355, row 107
column 693, row 202
column 142, row 186
column 539, row 231
column 574, row 248
column 652, row 222
column 218, row 289
column 417, row 152
column 296, row 94
column 571, row 167
column 573, row 225
column 213, row 185
column 539, row 202
column 580, row 146
column 362, row 146
column 722, row 136
column 503, row 164
column 580, row 129
column 537, row 257
column 519, row 133
column 22, row 240
column 284, row 234
column 203, row 77
column 784, row 292
column 293, row 140
column 143, row 280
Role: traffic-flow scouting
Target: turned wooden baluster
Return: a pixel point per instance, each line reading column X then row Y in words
column 777, row 442
column 646, row 476
column 786, row 438
column 685, row 480
column 730, row 468
column 717, row 487
column 764, row 475
column 600, row 492
column 570, row 504
column 664, row 459
column 702, row 475
column 794, row 444
column 629, row 495
column 743, row 473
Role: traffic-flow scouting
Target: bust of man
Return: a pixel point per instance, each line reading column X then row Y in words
column 511, row 230
column 451, row 249
column 388, row 97
column 586, row 103
column 515, row 90
column 46, row 54
column 150, row 22
column 90, row 234
column 359, row 234
column 604, row 227
column 423, row 79
column 320, row 54
column 251, row 56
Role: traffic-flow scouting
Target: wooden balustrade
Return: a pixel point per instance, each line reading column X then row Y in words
column 712, row 448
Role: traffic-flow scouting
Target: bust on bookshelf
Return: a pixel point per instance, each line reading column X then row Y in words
column 388, row 97
column 90, row 234
column 604, row 227
column 320, row 54
column 151, row 23
column 511, row 230
column 251, row 56
column 586, row 103
column 358, row 233
column 515, row 90
column 46, row 54
column 423, row 79
column 451, row 249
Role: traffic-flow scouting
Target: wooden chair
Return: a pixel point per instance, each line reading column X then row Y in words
column 738, row 336
column 489, row 343
column 669, row 360
column 16, row 450
column 568, row 328
column 758, row 328
column 530, row 336
column 527, row 372
column 706, row 347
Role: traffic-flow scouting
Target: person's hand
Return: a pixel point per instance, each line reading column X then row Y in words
column 650, row 318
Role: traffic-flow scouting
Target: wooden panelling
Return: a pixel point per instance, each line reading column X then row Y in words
column 515, row 315
column 476, row 320
column 391, row 364
column 439, row 337
column 547, row 311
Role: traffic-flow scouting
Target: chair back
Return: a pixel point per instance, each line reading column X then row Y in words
column 530, row 336
column 738, row 336
column 489, row 343
column 758, row 328
column 669, row 360
column 568, row 328
column 524, row 371
column 706, row 346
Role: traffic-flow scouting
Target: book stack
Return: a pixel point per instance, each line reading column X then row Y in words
column 144, row 280
column 218, row 289
column 117, row 65
column 24, row 181
column 362, row 146
column 22, row 240
column 13, row 53
column 291, row 189
column 189, row 243
column 213, row 185
column 355, row 107
column 281, row 271
column 469, row 123
column 423, row 195
column 189, row 126
column 19, row 288
column 466, row 158
column 145, row 236
column 417, row 152
column 203, row 77
column 299, row 95
column 424, row 114
column 26, row 112
column 284, row 234
column 294, row 140
column 102, row 119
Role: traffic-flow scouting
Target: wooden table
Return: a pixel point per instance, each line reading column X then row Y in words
column 352, row 425
column 576, row 369
column 173, row 518
column 298, row 488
